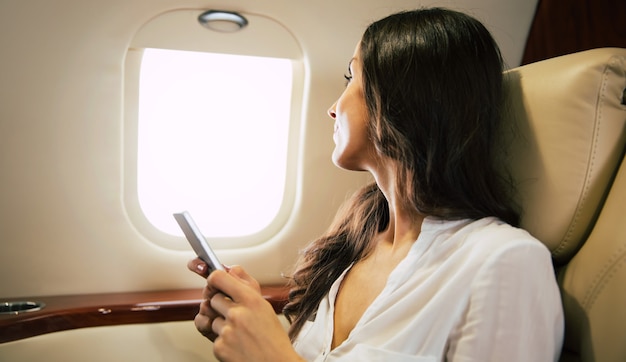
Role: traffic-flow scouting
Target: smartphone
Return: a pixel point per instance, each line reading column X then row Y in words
column 197, row 241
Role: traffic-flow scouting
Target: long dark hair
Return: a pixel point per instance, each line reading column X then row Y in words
column 432, row 81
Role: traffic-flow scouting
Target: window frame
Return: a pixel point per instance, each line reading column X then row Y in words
column 229, row 45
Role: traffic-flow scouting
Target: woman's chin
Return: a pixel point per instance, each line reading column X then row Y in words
column 346, row 163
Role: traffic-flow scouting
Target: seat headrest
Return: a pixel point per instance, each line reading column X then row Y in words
column 569, row 130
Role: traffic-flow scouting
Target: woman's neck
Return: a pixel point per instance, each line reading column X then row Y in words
column 404, row 223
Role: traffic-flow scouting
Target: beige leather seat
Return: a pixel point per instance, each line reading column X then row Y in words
column 568, row 161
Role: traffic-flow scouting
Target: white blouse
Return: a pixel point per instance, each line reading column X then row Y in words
column 467, row 291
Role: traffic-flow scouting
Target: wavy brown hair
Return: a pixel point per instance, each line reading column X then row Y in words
column 432, row 82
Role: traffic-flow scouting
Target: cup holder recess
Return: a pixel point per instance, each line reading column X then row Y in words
column 20, row 307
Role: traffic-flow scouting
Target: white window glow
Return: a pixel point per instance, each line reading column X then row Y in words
column 213, row 131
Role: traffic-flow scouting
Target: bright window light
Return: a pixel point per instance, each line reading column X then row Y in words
column 213, row 132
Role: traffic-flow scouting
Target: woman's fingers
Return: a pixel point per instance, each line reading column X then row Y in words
column 207, row 310
column 206, row 315
column 235, row 284
column 221, row 304
column 199, row 267
column 204, row 324
column 239, row 273
column 217, row 325
column 240, row 322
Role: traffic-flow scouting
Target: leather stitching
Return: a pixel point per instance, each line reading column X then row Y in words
column 604, row 276
column 582, row 201
column 618, row 258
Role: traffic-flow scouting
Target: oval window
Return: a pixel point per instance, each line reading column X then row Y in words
column 212, row 129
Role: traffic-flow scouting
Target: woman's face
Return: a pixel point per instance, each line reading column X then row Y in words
column 353, row 147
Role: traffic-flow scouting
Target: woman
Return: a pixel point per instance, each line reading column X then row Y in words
column 426, row 262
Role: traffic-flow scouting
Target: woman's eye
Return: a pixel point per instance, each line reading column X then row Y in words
column 348, row 78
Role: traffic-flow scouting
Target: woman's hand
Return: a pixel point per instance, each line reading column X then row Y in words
column 240, row 322
column 199, row 267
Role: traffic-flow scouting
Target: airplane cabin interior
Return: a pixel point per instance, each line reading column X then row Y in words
column 116, row 114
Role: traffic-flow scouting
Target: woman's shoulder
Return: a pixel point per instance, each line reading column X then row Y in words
column 498, row 241
column 487, row 237
column 492, row 229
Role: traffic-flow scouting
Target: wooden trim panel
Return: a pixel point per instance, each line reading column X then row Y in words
column 92, row 310
column 567, row 26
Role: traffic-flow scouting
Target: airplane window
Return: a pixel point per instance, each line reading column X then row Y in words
column 212, row 122
column 212, row 139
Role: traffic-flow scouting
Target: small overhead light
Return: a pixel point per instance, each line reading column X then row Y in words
column 222, row 21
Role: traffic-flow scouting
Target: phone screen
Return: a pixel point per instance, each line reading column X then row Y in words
column 198, row 241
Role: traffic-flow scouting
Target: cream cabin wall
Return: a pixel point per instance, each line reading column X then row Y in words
column 64, row 227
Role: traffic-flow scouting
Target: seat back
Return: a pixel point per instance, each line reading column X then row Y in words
column 566, row 154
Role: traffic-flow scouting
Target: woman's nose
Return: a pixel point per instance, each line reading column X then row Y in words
column 331, row 111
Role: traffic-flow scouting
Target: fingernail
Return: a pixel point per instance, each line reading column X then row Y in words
column 201, row 268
